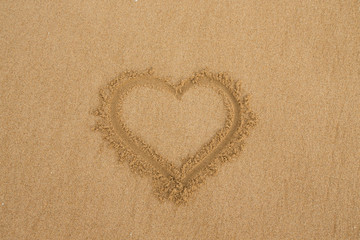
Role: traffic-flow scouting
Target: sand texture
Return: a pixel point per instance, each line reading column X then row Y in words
column 180, row 119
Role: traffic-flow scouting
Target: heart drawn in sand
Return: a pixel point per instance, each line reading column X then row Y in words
column 230, row 119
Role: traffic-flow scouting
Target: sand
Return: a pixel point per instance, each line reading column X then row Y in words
column 296, row 175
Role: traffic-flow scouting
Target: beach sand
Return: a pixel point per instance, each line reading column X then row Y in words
column 296, row 177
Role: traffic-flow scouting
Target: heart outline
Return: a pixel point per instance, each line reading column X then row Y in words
column 170, row 182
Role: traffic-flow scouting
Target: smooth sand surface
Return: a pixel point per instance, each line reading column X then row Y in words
column 298, row 176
